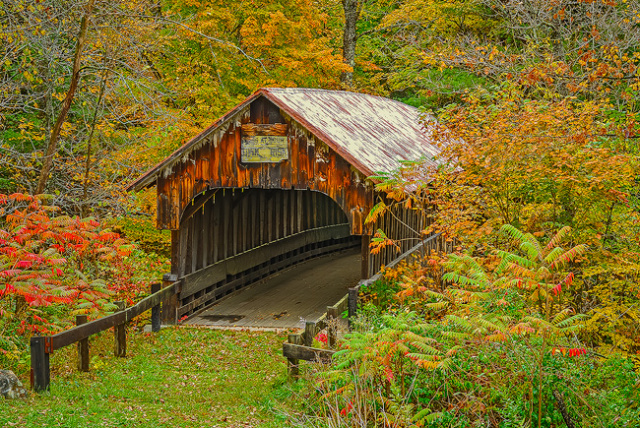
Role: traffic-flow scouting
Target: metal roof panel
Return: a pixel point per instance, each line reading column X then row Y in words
column 372, row 133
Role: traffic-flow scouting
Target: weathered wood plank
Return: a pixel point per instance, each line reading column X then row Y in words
column 83, row 347
column 40, row 373
column 300, row 352
column 120, row 335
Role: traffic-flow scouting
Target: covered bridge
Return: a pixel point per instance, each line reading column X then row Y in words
column 280, row 178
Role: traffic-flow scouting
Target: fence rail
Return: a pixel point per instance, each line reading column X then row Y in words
column 43, row 346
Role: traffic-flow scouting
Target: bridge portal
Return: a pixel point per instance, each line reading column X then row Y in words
column 282, row 178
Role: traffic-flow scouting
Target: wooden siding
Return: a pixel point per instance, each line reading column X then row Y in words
column 401, row 224
column 312, row 165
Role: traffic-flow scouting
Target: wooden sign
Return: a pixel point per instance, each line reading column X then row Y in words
column 264, row 149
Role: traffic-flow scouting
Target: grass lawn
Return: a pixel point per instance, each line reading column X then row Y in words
column 179, row 377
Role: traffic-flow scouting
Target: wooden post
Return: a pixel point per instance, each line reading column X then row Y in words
column 364, row 256
column 169, row 312
column 83, row 347
column 332, row 326
column 120, row 335
column 309, row 333
column 294, row 368
column 155, row 311
column 40, row 375
column 353, row 303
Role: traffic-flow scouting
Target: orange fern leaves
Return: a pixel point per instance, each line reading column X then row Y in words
column 569, row 256
column 381, row 241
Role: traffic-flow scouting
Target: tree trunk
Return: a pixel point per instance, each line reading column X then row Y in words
column 66, row 105
column 87, row 166
column 351, row 13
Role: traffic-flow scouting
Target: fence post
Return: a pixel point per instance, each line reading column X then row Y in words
column 40, row 375
column 120, row 335
column 309, row 333
column 155, row 311
column 170, row 304
column 353, row 303
column 294, row 368
column 83, row 347
column 332, row 326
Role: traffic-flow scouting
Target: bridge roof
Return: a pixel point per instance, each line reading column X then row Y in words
column 371, row 133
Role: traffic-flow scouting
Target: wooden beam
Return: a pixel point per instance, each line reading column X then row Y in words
column 294, row 370
column 78, row 333
column 196, row 205
column 83, row 347
column 365, row 255
column 300, row 352
column 40, row 372
column 120, row 335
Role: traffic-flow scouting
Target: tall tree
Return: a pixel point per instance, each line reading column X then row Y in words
column 66, row 105
column 352, row 9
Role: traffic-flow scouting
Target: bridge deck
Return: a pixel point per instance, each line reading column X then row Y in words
column 288, row 298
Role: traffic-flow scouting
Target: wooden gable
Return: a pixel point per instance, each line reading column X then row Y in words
column 216, row 162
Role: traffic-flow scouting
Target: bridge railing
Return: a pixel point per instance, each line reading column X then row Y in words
column 205, row 286
column 43, row 346
column 299, row 346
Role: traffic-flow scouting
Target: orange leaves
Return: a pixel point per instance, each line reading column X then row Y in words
column 381, row 241
column 377, row 210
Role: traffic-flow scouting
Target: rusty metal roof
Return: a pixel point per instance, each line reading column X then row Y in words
column 372, row 133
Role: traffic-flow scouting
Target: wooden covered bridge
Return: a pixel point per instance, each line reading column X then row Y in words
column 280, row 179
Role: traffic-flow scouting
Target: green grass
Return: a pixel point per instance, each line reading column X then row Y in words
column 180, row 377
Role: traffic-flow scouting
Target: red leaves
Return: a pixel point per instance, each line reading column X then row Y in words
column 31, row 264
column 571, row 352
column 347, row 409
column 388, row 374
column 568, row 280
column 23, row 264
column 322, row 338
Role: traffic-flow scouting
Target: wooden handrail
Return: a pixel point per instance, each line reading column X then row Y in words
column 354, row 291
column 83, row 331
column 43, row 346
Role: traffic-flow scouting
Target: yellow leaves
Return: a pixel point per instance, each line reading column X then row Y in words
column 27, row 75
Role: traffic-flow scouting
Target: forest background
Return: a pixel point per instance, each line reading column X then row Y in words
column 538, row 107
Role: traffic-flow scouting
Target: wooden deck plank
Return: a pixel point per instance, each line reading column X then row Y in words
column 287, row 299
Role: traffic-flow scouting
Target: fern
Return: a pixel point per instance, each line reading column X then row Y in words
column 513, row 232
column 570, row 256
column 531, row 250
column 558, row 237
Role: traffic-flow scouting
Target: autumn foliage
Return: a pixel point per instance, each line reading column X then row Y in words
column 54, row 266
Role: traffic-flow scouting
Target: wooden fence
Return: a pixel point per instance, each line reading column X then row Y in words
column 43, row 346
column 299, row 346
